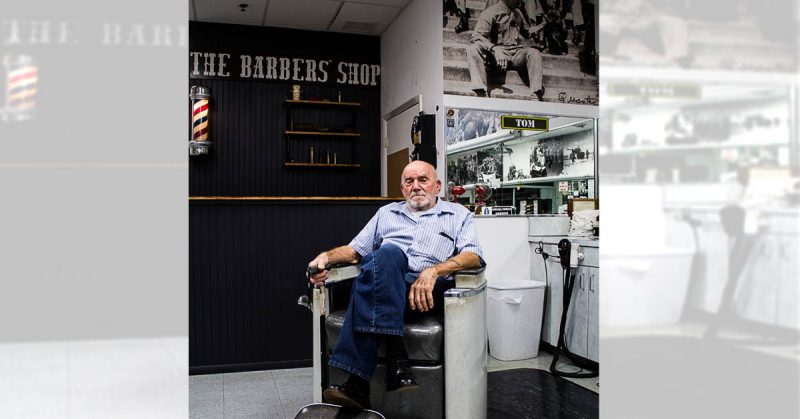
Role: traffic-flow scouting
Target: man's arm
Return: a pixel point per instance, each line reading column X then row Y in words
column 459, row 262
column 341, row 254
column 362, row 244
column 420, row 297
column 481, row 33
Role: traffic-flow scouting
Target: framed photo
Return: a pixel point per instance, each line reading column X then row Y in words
column 581, row 204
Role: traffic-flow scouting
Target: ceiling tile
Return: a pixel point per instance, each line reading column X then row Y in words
column 227, row 11
column 358, row 17
column 313, row 15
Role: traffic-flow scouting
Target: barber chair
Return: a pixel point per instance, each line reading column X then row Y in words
column 447, row 355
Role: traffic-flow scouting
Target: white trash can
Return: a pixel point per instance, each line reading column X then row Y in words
column 515, row 319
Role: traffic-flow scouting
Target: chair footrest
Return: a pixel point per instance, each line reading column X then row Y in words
column 331, row 411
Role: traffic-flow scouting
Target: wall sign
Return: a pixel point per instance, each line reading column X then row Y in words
column 528, row 123
column 259, row 53
column 225, row 65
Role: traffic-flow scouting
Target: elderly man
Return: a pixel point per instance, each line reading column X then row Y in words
column 497, row 40
column 407, row 251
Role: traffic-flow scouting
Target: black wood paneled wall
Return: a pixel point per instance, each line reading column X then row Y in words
column 247, row 258
column 247, row 263
column 247, row 123
column 248, row 117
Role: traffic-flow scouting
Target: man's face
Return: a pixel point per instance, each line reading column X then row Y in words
column 420, row 186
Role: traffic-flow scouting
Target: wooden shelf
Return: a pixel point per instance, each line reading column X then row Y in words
column 321, row 102
column 287, row 164
column 327, row 134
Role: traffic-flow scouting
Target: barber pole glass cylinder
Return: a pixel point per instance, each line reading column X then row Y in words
column 199, row 143
column 21, row 81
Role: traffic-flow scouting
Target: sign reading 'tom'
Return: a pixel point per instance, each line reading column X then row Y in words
column 530, row 123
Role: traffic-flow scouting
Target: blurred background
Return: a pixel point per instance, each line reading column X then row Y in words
column 698, row 152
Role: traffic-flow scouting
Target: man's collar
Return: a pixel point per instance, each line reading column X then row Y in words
column 440, row 207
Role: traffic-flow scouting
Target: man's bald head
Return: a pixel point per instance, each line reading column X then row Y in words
column 420, row 185
column 419, row 165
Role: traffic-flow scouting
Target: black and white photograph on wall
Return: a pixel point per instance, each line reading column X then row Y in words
column 490, row 165
column 468, row 124
column 463, row 169
column 568, row 155
column 541, row 50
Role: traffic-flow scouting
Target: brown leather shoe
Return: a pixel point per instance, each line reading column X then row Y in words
column 346, row 395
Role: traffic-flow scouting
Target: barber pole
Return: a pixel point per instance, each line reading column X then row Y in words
column 199, row 143
column 21, row 80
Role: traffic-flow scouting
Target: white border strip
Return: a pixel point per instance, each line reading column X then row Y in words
column 522, row 106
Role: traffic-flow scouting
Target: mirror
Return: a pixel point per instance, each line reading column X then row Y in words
column 526, row 171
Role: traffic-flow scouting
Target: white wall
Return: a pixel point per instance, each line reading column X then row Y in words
column 412, row 64
column 504, row 241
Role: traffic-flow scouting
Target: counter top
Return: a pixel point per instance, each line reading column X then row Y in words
column 590, row 241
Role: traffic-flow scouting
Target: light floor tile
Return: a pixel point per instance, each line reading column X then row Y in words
column 206, row 396
column 251, row 394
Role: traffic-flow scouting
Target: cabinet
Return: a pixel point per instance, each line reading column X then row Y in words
column 593, row 325
column 582, row 327
column 321, row 134
column 768, row 287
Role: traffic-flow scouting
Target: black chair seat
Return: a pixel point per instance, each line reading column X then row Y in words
column 424, row 337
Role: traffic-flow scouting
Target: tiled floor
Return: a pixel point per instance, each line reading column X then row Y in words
column 258, row 394
column 542, row 362
column 281, row 393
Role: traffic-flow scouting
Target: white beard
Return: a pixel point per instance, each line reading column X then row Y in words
column 418, row 205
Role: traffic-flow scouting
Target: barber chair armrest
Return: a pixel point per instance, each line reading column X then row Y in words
column 470, row 278
column 465, row 351
column 342, row 274
column 338, row 275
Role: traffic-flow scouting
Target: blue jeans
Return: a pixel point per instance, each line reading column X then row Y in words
column 377, row 307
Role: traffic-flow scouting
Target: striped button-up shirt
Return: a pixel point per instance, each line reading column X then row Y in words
column 431, row 238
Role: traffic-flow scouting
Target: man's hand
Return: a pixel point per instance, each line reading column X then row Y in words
column 341, row 254
column 421, row 295
column 500, row 58
column 320, row 262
